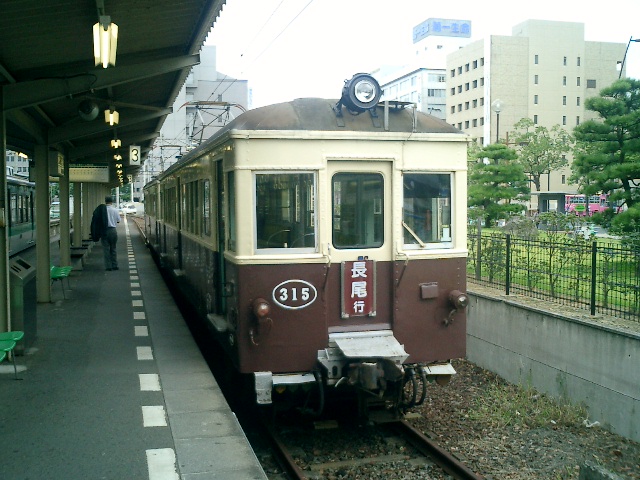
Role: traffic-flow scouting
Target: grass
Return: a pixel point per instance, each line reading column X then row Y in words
column 512, row 405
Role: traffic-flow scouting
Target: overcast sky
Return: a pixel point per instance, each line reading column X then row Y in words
column 289, row 49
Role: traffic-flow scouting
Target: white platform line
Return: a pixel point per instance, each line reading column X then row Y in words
column 153, row 416
column 161, row 463
column 136, row 293
column 137, row 303
column 149, row 382
column 139, row 316
column 135, row 284
column 144, row 353
column 141, row 331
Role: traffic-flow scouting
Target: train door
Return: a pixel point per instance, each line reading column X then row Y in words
column 361, row 244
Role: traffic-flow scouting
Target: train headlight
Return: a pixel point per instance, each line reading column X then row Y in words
column 261, row 308
column 360, row 93
column 458, row 299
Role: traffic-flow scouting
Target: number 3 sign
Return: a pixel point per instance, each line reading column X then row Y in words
column 134, row 155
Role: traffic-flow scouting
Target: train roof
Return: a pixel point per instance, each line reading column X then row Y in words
column 320, row 115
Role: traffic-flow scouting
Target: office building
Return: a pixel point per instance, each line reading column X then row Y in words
column 544, row 71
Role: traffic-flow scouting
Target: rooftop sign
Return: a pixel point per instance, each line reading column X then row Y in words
column 443, row 28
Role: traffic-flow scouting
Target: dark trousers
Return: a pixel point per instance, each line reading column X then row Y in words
column 109, row 241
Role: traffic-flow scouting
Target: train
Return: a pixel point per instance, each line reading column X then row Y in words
column 21, row 214
column 323, row 243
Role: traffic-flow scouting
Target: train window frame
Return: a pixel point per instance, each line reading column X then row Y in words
column 440, row 225
column 377, row 208
column 302, row 213
column 232, row 234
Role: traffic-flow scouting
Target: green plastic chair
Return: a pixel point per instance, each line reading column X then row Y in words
column 7, row 346
column 60, row 273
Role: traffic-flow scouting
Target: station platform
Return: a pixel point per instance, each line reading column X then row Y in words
column 115, row 387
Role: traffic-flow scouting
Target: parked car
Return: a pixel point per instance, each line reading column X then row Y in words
column 128, row 208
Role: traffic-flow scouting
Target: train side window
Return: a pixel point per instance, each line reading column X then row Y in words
column 206, row 207
column 13, row 219
column 285, row 210
column 358, row 215
column 426, row 218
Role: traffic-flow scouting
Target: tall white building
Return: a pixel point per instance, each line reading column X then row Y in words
column 545, row 71
column 206, row 103
column 423, row 80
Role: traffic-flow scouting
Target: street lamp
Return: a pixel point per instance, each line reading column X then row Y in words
column 497, row 106
column 631, row 39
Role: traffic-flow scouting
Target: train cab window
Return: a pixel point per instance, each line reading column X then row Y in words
column 358, row 216
column 285, row 211
column 427, row 210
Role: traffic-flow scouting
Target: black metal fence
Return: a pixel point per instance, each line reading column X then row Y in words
column 601, row 277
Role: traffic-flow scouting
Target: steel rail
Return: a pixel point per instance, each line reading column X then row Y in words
column 431, row 449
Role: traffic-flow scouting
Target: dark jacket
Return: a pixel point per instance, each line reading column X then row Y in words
column 99, row 223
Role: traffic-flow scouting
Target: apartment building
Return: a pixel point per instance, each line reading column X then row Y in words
column 544, row 71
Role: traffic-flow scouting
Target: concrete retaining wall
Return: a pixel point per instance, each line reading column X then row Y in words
column 566, row 357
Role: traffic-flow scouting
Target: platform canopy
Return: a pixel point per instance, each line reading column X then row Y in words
column 52, row 87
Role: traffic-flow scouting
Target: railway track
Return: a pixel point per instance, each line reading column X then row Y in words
column 434, row 456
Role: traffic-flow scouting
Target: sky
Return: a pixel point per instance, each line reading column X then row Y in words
column 289, row 49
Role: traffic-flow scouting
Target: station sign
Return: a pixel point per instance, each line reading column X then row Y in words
column 89, row 173
column 358, row 288
column 442, row 27
column 134, row 155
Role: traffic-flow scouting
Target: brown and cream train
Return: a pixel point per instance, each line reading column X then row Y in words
column 324, row 243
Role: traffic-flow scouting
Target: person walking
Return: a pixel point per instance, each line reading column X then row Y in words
column 103, row 229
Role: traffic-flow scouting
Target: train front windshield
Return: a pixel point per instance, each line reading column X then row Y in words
column 285, row 210
column 427, row 210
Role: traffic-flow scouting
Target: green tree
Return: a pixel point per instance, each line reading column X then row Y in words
column 607, row 156
column 541, row 150
column 497, row 183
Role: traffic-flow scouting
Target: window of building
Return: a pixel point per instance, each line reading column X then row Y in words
column 285, row 210
column 578, row 81
column 459, row 88
column 564, row 100
column 453, row 90
column 460, row 70
column 535, row 119
column 475, row 122
column 404, row 85
column 564, row 179
column 591, row 84
column 466, row 67
column 414, row 81
column 475, row 64
column 453, row 72
column 578, row 63
column 482, row 61
column 466, row 105
column 460, row 126
column 564, row 119
column 481, row 121
column 475, row 84
column 578, row 101
column 535, row 79
column 453, row 109
column 358, row 213
column 482, row 81
column 475, row 103
column 482, row 101
column 535, row 59
column 459, row 107
column 466, row 86
column 535, row 99
column 466, row 124
column 441, row 79
column 564, row 81
column 564, row 61
column 578, row 120
column 427, row 210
